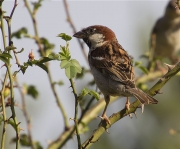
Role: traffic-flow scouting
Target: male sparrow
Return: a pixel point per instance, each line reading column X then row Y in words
column 165, row 36
column 111, row 66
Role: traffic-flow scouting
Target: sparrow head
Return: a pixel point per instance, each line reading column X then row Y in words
column 96, row 35
column 171, row 10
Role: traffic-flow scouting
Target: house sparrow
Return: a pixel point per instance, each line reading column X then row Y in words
column 111, row 66
column 165, row 36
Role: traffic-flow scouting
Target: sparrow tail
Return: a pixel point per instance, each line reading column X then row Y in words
column 143, row 97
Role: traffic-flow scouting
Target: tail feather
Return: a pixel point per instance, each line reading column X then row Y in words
column 143, row 97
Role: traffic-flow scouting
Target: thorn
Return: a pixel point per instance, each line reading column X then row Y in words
column 170, row 67
column 107, row 131
column 72, row 119
column 19, row 123
column 142, row 107
column 158, row 92
column 135, row 114
column 21, row 129
column 130, row 115
column 161, row 80
column 3, row 65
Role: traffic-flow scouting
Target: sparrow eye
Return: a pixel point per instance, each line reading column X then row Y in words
column 91, row 30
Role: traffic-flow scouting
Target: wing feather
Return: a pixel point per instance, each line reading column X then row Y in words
column 114, row 62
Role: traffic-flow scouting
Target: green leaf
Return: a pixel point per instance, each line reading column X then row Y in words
column 36, row 5
column 24, row 140
column 54, row 56
column 95, row 94
column 144, row 69
column 65, row 64
column 76, row 64
column 70, row 72
column 32, row 91
column 65, row 37
column 60, row 83
column 83, row 72
column 84, row 92
column 45, row 59
column 72, row 67
column 4, row 59
column 30, row 63
column 23, row 68
column 18, row 34
column 41, row 65
column 47, row 46
column 7, row 55
column 38, row 145
column 137, row 63
column 15, row 73
column 64, row 54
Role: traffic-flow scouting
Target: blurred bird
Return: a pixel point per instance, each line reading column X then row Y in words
column 165, row 36
column 111, row 66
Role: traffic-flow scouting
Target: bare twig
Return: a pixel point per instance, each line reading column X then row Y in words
column 74, row 29
column 12, row 12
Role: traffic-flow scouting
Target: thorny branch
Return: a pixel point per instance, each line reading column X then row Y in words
column 16, row 124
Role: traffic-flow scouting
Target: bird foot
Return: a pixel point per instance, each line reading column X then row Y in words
column 104, row 118
column 127, row 106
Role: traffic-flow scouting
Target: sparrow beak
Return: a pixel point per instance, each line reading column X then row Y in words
column 80, row 34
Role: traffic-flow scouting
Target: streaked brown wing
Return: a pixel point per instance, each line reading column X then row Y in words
column 114, row 62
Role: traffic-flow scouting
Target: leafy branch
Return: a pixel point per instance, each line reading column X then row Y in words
column 33, row 12
column 72, row 67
